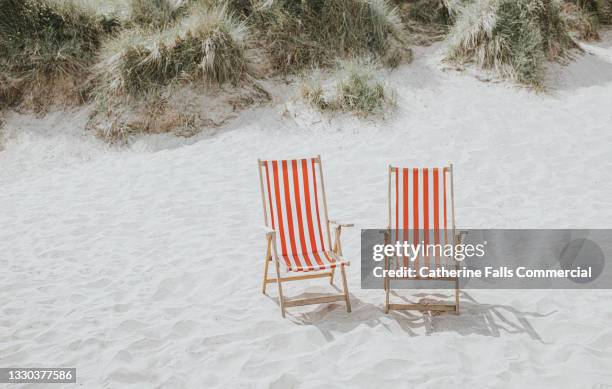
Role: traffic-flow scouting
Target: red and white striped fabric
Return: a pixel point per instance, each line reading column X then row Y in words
column 421, row 210
column 296, row 213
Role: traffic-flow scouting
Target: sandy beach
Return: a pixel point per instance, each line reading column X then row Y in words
column 141, row 265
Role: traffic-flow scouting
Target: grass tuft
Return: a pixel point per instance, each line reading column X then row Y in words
column 581, row 22
column 512, row 37
column 428, row 21
column 356, row 90
column 46, row 48
column 303, row 34
column 157, row 13
column 206, row 46
column 438, row 12
column 601, row 9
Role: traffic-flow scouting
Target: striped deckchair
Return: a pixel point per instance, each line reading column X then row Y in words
column 421, row 210
column 297, row 228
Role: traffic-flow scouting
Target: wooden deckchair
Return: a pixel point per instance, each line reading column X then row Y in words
column 297, row 232
column 421, row 210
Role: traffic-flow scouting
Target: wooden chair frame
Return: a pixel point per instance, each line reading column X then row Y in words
column 457, row 239
column 271, row 255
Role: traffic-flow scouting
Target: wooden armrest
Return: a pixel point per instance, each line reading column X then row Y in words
column 460, row 235
column 386, row 234
column 337, row 245
column 269, row 231
column 341, row 224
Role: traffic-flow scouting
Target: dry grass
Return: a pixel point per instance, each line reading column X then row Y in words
column 143, row 68
column 155, row 116
column 139, row 51
column 428, row 21
column 512, row 37
column 128, row 51
column 583, row 23
column 355, row 90
column 303, row 34
column 182, row 111
column 601, row 9
column 157, row 13
column 438, row 12
column 207, row 46
column 46, row 48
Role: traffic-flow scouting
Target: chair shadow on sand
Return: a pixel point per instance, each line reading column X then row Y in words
column 474, row 319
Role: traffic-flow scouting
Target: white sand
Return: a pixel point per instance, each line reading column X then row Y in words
column 141, row 267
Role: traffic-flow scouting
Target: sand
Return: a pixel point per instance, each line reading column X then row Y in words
column 141, row 265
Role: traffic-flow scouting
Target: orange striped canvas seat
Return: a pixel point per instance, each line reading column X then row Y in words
column 420, row 211
column 293, row 198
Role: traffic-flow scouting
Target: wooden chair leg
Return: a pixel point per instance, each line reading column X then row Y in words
column 387, row 294
column 386, row 285
column 457, row 296
column 268, row 259
column 265, row 277
column 331, row 277
column 345, row 287
column 281, row 299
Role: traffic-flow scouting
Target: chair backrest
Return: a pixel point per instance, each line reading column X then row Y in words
column 421, row 207
column 294, row 204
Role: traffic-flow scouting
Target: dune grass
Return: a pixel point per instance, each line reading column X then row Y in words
column 157, row 13
column 46, row 48
column 428, row 21
column 136, row 50
column 206, row 46
column 601, row 9
column 143, row 71
column 512, row 37
column 65, row 48
column 163, row 13
column 582, row 23
column 303, row 34
column 355, row 89
column 432, row 12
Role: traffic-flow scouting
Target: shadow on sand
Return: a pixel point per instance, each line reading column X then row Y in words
column 474, row 319
column 593, row 67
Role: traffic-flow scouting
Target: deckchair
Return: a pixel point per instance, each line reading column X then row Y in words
column 298, row 235
column 421, row 210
